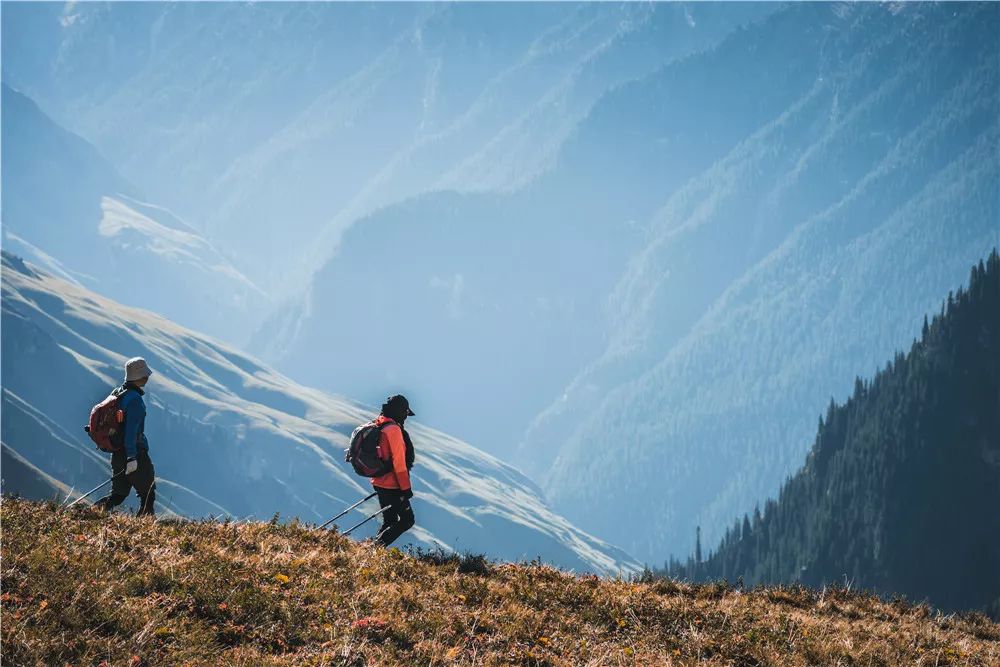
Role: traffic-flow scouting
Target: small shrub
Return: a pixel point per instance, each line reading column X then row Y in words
column 475, row 564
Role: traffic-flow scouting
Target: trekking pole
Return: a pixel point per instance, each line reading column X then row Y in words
column 347, row 532
column 368, row 497
column 93, row 489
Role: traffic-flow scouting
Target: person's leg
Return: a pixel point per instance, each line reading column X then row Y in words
column 403, row 518
column 144, row 482
column 387, row 498
column 406, row 518
column 119, row 485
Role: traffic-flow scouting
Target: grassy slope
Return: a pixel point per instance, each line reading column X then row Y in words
column 80, row 589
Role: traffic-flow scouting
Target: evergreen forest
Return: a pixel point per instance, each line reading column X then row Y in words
column 900, row 493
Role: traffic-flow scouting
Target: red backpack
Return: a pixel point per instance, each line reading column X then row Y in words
column 365, row 452
column 106, row 427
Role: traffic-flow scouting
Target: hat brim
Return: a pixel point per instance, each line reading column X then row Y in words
column 410, row 412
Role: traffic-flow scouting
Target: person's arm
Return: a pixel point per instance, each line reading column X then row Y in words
column 397, row 449
column 135, row 411
column 410, row 454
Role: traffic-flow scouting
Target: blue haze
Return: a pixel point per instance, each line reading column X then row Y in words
column 633, row 249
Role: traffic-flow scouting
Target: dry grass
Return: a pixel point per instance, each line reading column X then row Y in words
column 79, row 588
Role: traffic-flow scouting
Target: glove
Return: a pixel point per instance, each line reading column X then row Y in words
column 407, row 494
column 131, row 466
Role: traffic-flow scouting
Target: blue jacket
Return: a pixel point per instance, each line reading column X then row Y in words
column 134, row 408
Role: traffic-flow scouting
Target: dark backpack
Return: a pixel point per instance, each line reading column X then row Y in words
column 365, row 452
column 106, row 426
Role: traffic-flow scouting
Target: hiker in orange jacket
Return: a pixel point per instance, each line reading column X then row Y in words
column 393, row 488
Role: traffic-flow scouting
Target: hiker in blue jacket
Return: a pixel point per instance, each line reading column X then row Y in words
column 132, row 460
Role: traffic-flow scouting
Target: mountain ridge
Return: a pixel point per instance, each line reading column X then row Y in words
column 490, row 107
column 228, row 435
column 100, row 232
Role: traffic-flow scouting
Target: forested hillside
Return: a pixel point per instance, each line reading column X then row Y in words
column 901, row 490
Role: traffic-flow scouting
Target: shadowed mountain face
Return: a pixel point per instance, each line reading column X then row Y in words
column 230, row 437
column 68, row 209
column 721, row 246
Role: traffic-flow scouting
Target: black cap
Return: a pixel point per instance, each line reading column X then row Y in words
column 398, row 403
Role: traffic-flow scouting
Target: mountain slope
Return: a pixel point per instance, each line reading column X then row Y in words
column 209, row 593
column 319, row 114
column 690, row 276
column 505, row 289
column 231, row 437
column 901, row 488
column 68, row 209
column 767, row 282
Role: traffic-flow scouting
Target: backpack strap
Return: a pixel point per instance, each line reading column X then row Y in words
column 381, row 427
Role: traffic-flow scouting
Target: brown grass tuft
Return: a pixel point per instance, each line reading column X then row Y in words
column 80, row 588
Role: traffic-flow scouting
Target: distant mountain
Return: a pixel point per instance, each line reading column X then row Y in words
column 703, row 224
column 719, row 248
column 901, row 489
column 295, row 119
column 231, row 437
column 506, row 291
column 802, row 255
column 68, row 209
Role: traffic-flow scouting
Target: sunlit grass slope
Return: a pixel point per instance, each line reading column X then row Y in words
column 79, row 588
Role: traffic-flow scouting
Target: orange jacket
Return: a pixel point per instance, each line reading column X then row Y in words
column 392, row 441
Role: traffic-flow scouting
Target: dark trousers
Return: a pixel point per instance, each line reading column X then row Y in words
column 143, row 480
column 397, row 519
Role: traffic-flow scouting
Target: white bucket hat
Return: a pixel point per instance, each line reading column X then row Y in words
column 136, row 369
